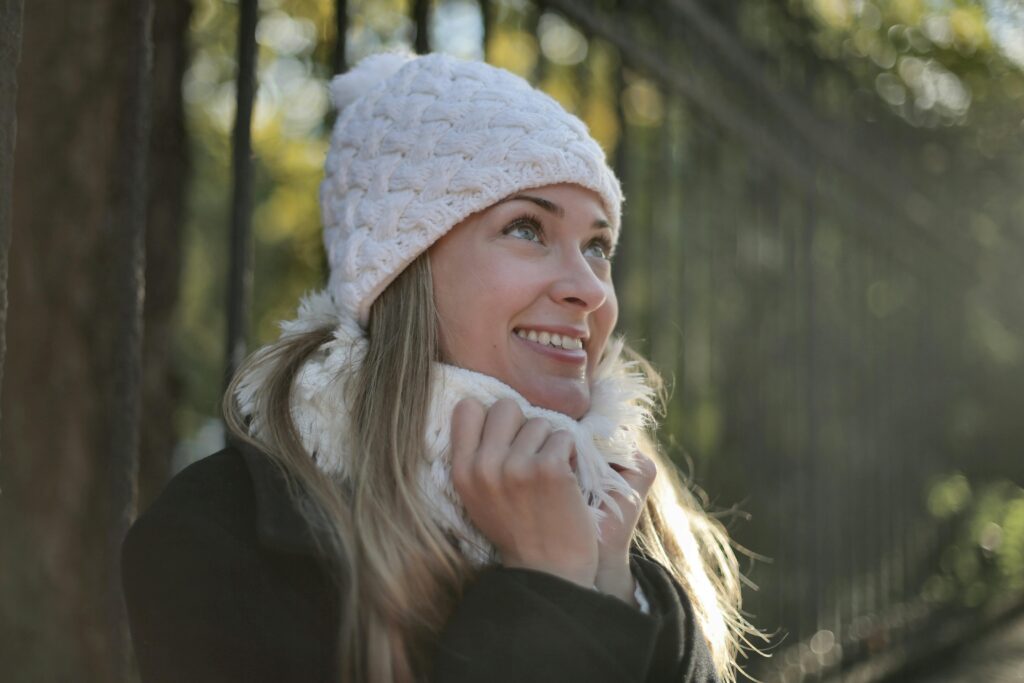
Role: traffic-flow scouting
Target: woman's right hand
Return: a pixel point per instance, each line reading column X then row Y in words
column 515, row 478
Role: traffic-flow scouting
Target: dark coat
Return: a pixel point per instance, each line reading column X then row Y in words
column 223, row 583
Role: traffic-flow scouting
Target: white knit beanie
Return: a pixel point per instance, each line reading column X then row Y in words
column 422, row 143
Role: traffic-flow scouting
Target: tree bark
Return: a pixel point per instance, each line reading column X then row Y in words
column 61, row 327
column 11, row 12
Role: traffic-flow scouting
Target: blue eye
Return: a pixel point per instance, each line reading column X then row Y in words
column 600, row 248
column 526, row 228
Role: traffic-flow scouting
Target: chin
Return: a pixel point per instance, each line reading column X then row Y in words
column 574, row 401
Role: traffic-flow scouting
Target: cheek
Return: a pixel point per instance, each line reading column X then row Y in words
column 496, row 289
column 613, row 306
column 604, row 320
column 450, row 300
column 487, row 318
column 607, row 316
column 475, row 306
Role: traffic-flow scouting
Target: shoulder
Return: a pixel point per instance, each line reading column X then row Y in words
column 230, row 510
column 217, row 489
column 239, row 492
column 199, row 532
column 197, row 579
column 208, row 507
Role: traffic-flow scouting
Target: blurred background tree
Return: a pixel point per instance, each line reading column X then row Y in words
column 822, row 251
column 56, row 486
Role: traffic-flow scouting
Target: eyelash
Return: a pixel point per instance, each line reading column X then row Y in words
column 532, row 222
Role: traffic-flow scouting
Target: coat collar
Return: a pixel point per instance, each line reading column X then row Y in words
column 280, row 525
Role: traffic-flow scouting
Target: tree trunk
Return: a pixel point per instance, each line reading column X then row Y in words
column 60, row 327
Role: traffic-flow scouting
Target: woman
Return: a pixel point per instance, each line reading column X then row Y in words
column 441, row 470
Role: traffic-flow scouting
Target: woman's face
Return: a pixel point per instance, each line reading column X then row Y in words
column 524, row 294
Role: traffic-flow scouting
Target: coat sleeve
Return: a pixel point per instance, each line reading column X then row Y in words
column 680, row 652
column 203, row 606
column 522, row 625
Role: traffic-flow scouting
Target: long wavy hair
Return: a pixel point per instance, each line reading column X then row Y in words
column 398, row 575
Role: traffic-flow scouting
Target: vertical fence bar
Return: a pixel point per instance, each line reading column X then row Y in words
column 620, row 159
column 240, row 274
column 487, row 18
column 11, row 12
column 421, row 19
column 340, row 64
column 540, row 66
column 127, row 292
column 811, row 412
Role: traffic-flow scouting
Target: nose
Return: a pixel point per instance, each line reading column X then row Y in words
column 577, row 284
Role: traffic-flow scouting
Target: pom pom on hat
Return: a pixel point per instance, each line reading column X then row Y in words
column 349, row 86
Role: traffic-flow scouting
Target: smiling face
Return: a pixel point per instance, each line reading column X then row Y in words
column 524, row 294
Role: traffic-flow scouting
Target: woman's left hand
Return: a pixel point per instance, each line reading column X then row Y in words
column 614, row 576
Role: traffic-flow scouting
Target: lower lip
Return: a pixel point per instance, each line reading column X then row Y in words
column 568, row 356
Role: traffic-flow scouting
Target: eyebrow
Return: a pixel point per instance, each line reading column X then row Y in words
column 551, row 207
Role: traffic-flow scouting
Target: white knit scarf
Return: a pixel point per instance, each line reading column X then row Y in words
column 620, row 410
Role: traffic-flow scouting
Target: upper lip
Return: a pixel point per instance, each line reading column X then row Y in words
column 562, row 330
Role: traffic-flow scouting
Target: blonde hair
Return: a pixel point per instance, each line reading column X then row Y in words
column 398, row 574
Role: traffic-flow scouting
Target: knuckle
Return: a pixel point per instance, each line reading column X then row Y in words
column 538, row 426
column 538, row 423
column 468, row 407
column 488, row 478
column 503, row 422
column 554, row 465
column 518, row 471
column 560, row 441
column 508, row 409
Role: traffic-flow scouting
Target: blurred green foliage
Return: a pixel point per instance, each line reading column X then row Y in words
column 985, row 560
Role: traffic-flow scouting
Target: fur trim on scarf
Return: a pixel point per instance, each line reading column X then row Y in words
column 621, row 403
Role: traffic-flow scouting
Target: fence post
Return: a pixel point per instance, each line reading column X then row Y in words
column 487, row 19
column 339, row 65
column 240, row 271
column 421, row 18
column 127, row 293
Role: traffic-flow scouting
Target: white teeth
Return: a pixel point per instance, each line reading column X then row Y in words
column 556, row 340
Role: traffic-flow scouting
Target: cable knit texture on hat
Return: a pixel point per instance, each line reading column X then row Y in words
column 422, row 143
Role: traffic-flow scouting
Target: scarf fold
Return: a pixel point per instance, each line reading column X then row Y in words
column 620, row 411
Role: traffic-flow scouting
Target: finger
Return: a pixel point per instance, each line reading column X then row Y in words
column 531, row 436
column 467, row 426
column 503, row 422
column 558, row 454
column 519, row 468
column 641, row 475
column 501, row 425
